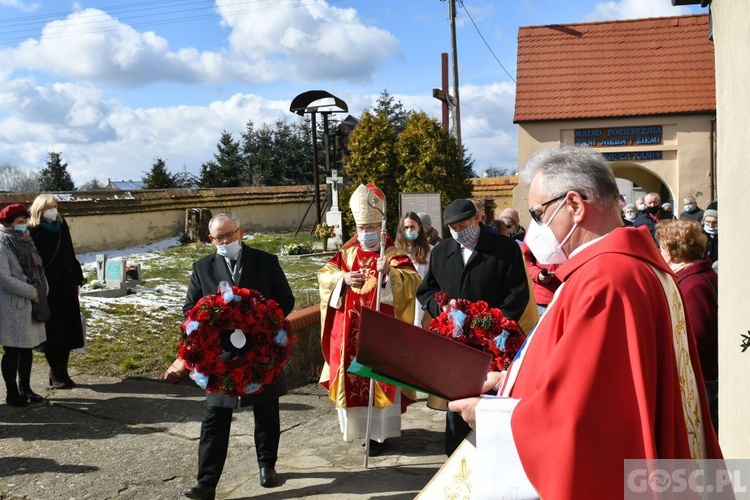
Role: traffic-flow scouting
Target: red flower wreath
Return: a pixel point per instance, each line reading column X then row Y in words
column 235, row 341
column 480, row 326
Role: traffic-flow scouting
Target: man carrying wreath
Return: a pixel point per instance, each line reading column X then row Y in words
column 246, row 267
column 474, row 264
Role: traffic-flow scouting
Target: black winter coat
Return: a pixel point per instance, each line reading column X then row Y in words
column 495, row 273
column 64, row 275
column 260, row 271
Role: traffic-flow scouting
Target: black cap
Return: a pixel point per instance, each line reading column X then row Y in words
column 459, row 210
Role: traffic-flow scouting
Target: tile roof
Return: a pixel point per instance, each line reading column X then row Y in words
column 635, row 67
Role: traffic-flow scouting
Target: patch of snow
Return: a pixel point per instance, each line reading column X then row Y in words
column 90, row 258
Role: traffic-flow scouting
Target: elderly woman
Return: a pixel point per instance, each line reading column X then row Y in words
column 683, row 246
column 21, row 283
column 64, row 331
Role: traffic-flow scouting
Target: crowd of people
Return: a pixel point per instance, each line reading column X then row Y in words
column 40, row 279
column 605, row 311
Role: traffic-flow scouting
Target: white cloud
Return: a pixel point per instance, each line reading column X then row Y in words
column 308, row 42
column 102, row 138
column 634, row 9
column 22, row 6
column 91, row 45
column 487, row 127
column 60, row 112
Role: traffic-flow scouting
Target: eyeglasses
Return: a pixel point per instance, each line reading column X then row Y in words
column 537, row 212
column 221, row 238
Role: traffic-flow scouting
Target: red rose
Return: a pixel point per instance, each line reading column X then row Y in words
column 261, row 364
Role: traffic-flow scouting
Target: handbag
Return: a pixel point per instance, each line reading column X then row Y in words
column 40, row 310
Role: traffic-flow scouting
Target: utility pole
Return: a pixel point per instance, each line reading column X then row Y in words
column 457, row 110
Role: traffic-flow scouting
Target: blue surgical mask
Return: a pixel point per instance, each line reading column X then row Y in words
column 20, row 228
column 706, row 228
column 689, row 208
column 230, row 250
column 641, row 207
column 368, row 239
column 411, row 235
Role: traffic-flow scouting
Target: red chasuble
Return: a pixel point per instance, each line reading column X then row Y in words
column 599, row 383
column 341, row 326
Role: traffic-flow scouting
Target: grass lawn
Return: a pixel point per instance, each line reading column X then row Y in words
column 136, row 335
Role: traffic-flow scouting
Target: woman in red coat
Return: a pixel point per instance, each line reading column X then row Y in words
column 683, row 246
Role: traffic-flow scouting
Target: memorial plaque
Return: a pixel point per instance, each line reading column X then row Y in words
column 423, row 202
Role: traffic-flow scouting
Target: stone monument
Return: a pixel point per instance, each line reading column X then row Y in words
column 333, row 215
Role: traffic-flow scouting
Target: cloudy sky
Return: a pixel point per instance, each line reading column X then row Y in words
column 112, row 85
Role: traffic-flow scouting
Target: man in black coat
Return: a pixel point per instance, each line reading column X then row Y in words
column 235, row 262
column 653, row 214
column 474, row 264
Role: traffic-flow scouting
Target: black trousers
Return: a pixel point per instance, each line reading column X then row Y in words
column 214, row 442
column 456, row 430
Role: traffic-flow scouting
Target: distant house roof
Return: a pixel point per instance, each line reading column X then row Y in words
column 636, row 67
column 124, row 185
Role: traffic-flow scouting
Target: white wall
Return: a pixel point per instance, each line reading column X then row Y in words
column 732, row 39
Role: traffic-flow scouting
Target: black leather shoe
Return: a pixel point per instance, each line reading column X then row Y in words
column 268, row 477
column 201, row 492
column 376, row 448
column 31, row 396
column 16, row 400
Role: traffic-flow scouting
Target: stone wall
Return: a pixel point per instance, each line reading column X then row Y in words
column 108, row 220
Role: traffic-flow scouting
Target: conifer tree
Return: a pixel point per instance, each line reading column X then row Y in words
column 227, row 168
column 55, row 176
column 158, row 177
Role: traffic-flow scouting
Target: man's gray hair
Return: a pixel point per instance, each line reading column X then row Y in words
column 222, row 216
column 571, row 168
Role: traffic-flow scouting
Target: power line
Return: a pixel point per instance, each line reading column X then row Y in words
column 158, row 13
column 485, row 41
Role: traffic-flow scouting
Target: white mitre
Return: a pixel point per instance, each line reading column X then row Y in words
column 363, row 212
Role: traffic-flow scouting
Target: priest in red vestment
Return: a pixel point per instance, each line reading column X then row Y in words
column 611, row 371
column 348, row 282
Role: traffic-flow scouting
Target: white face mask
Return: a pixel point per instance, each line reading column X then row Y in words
column 543, row 244
column 50, row 214
column 467, row 236
column 630, row 216
column 230, row 250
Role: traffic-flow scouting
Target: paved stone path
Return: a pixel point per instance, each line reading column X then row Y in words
column 135, row 438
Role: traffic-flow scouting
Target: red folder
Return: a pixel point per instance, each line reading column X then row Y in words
column 419, row 358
